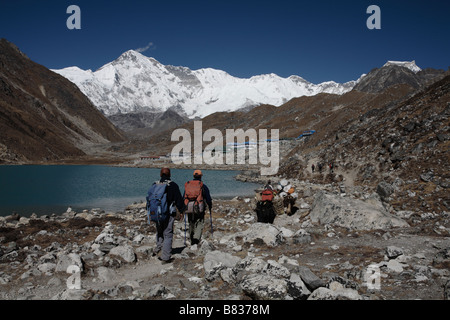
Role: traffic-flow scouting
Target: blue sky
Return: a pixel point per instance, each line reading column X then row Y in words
column 318, row 40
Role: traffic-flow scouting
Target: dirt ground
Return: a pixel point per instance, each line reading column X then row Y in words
column 330, row 253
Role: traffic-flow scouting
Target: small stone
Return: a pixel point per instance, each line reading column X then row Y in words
column 125, row 252
column 393, row 252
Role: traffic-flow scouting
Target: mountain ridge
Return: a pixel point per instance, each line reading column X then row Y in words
column 136, row 83
column 396, row 72
column 43, row 116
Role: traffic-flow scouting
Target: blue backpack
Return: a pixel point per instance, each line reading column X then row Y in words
column 157, row 207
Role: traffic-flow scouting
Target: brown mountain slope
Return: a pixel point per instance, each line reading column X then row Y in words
column 322, row 113
column 405, row 144
column 43, row 116
column 380, row 79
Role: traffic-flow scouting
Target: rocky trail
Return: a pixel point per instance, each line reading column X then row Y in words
column 385, row 256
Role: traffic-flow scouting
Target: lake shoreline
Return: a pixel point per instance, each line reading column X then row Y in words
column 134, row 163
column 56, row 188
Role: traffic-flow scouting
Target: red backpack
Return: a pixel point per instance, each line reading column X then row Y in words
column 193, row 196
column 267, row 195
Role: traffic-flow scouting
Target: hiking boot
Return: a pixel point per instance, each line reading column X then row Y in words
column 155, row 251
column 165, row 261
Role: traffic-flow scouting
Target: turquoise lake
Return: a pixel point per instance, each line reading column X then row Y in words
column 52, row 189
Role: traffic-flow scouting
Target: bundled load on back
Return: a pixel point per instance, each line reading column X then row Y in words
column 271, row 201
column 265, row 210
column 287, row 194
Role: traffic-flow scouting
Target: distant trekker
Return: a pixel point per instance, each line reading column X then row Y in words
column 320, row 167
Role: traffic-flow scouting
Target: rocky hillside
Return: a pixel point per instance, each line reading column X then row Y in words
column 43, row 116
column 380, row 79
column 401, row 143
column 145, row 124
column 323, row 112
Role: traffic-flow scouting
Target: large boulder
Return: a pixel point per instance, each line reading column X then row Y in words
column 67, row 260
column 352, row 213
column 267, row 233
column 126, row 252
column 385, row 190
column 335, row 292
column 309, row 278
column 264, row 287
column 215, row 261
column 297, row 288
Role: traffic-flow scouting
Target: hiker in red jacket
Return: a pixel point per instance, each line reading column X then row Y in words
column 196, row 197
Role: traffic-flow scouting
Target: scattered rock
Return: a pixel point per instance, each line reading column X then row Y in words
column 70, row 294
column 296, row 288
column 105, row 274
column 267, row 233
column 442, row 258
column 335, row 292
column 301, row 237
column 395, row 266
column 263, row 286
column 427, row 177
column 309, row 278
column 47, row 268
column 243, row 258
column 157, row 290
column 352, row 213
column 215, row 261
column 385, row 190
column 126, row 252
column 274, row 268
column 393, row 252
column 66, row 260
column 447, row 290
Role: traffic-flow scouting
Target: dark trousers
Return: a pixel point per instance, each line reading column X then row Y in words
column 196, row 224
column 164, row 238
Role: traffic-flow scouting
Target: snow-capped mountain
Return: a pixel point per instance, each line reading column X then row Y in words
column 136, row 83
column 411, row 65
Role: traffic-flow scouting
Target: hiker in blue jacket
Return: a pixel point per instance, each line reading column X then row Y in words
column 164, row 230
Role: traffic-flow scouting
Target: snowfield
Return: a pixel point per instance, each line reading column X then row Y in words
column 136, row 83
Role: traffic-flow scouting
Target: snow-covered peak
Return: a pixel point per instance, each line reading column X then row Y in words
column 134, row 82
column 130, row 55
column 75, row 74
column 297, row 79
column 411, row 65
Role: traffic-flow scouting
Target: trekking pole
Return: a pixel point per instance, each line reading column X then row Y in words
column 210, row 219
column 185, row 230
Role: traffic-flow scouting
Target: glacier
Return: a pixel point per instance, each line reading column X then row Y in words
column 137, row 83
